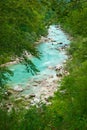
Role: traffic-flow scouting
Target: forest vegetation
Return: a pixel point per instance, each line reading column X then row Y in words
column 22, row 23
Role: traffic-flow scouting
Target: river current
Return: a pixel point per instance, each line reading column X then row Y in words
column 51, row 57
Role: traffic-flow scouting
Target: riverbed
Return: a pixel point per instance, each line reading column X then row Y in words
column 44, row 83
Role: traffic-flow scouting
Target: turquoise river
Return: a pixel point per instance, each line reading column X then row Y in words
column 51, row 57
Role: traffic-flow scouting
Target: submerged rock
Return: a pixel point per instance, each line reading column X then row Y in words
column 50, row 67
column 60, row 43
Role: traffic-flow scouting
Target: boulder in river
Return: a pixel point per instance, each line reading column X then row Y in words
column 60, row 43
column 18, row 88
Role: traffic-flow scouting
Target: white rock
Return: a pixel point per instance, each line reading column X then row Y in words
column 36, row 100
column 58, row 67
column 18, row 88
column 27, row 96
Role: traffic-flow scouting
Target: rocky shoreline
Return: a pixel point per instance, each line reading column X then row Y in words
column 42, row 88
column 41, row 40
column 47, row 87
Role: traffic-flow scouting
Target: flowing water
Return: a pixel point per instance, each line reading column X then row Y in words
column 51, row 56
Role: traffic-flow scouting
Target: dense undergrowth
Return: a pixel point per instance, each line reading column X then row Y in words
column 69, row 105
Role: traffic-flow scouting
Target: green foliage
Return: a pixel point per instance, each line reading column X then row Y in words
column 75, row 20
column 22, row 23
column 9, row 121
column 68, row 110
column 3, row 76
column 30, row 67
